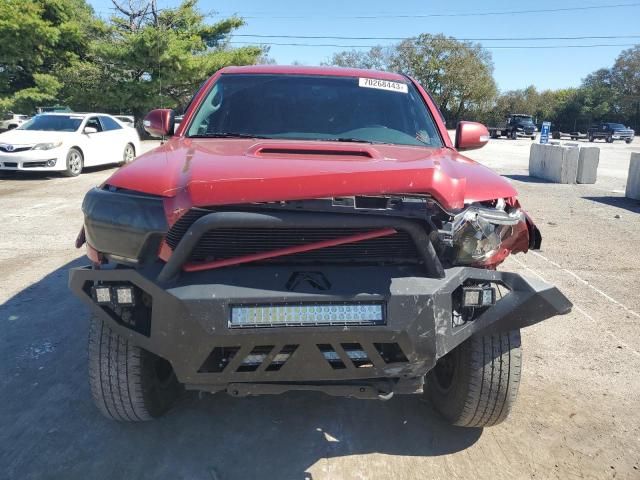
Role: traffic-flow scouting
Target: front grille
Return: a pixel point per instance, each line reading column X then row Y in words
column 14, row 150
column 225, row 243
column 355, row 357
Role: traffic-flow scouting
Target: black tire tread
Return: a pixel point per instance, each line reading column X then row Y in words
column 116, row 376
column 488, row 381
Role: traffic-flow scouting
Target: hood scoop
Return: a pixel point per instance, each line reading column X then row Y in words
column 314, row 150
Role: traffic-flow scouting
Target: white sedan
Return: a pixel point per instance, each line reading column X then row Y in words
column 67, row 142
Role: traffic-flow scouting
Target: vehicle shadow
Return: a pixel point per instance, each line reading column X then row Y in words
column 30, row 176
column 527, row 179
column 51, row 428
column 620, row 202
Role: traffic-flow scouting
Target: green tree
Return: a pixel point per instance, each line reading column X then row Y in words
column 599, row 95
column 151, row 59
column 625, row 79
column 458, row 74
column 377, row 58
column 38, row 37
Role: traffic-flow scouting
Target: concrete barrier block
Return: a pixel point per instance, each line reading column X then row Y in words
column 588, row 161
column 554, row 163
column 633, row 180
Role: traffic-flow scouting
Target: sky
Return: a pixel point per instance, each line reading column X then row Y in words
column 514, row 68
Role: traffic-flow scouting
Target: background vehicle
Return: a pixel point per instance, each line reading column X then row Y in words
column 127, row 120
column 610, row 131
column 54, row 109
column 332, row 240
column 12, row 120
column 67, row 143
column 516, row 125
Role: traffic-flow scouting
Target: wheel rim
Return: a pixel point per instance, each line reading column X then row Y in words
column 75, row 162
column 444, row 372
column 129, row 154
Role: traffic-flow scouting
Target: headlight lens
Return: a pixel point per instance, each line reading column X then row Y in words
column 476, row 234
column 47, row 146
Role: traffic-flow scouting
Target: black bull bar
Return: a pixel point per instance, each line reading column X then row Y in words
column 189, row 322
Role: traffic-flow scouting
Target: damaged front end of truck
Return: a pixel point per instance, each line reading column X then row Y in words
column 357, row 296
column 259, row 266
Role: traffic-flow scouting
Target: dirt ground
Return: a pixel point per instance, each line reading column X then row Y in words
column 578, row 413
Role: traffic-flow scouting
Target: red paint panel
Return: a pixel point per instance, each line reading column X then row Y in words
column 471, row 135
column 193, row 267
column 95, row 256
column 159, row 122
column 209, row 172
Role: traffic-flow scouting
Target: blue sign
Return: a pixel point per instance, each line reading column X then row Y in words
column 544, row 132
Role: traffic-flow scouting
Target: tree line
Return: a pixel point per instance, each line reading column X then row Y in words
column 60, row 52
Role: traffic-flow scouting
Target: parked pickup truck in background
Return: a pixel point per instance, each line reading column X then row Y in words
column 516, row 125
column 610, row 132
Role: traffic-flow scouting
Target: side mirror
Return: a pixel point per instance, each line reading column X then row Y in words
column 471, row 135
column 159, row 122
column 90, row 130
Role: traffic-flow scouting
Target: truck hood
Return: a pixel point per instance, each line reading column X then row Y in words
column 207, row 172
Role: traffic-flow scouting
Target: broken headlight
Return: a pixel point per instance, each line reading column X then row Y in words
column 476, row 234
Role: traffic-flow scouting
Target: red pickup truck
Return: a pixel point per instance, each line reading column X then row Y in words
column 308, row 229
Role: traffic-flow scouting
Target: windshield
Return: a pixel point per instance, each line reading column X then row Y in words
column 616, row 126
column 315, row 108
column 53, row 123
column 523, row 120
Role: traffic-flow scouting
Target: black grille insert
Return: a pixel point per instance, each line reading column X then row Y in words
column 218, row 359
column 225, row 243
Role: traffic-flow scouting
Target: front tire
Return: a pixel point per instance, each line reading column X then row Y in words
column 514, row 135
column 75, row 163
column 128, row 383
column 128, row 155
column 628, row 141
column 476, row 384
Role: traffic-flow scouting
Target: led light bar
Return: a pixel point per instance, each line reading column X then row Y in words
column 307, row 315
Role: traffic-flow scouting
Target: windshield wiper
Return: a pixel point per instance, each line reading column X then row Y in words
column 347, row 139
column 227, row 135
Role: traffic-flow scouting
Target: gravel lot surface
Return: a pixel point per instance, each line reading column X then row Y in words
column 578, row 413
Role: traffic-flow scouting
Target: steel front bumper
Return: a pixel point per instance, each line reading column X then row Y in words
column 187, row 322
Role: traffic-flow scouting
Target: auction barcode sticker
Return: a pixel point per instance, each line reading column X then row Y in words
column 383, row 85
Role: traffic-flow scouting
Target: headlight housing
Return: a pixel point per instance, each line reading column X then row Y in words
column 47, row 146
column 476, row 234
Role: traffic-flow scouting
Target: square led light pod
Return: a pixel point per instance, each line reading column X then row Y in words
column 102, row 295
column 124, row 296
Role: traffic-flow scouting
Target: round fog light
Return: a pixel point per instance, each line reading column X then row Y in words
column 51, row 163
